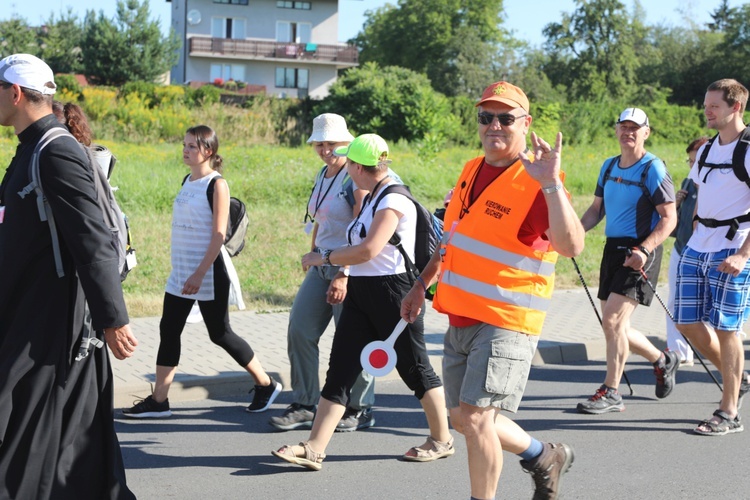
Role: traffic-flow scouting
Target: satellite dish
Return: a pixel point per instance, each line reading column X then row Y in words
column 193, row 17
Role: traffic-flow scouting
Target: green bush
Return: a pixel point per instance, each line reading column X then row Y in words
column 205, row 95
column 146, row 91
column 68, row 83
column 393, row 102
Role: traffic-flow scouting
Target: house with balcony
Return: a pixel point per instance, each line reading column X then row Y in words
column 291, row 48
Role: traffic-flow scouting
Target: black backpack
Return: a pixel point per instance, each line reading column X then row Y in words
column 429, row 231
column 738, row 167
column 738, row 158
column 234, row 239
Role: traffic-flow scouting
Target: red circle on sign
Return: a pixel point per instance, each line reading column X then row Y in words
column 378, row 358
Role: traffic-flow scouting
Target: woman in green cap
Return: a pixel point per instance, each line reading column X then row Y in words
column 378, row 280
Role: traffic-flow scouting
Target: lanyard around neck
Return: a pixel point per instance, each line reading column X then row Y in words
column 321, row 196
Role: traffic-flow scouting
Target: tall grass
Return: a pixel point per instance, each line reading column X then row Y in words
column 275, row 182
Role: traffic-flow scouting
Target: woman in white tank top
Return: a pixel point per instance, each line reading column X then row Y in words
column 202, row 271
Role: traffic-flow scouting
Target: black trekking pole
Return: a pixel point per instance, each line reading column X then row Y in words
column 596, row 311
column 671, row 316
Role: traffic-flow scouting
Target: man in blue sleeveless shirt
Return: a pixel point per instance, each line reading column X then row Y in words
column 635, row 192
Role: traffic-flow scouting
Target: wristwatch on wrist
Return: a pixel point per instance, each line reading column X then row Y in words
column 327, row 256
column 552, row 189
column 643, row 250
column 344, row 270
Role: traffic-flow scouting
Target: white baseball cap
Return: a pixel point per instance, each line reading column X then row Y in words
column 635, row 115
column 29, row 72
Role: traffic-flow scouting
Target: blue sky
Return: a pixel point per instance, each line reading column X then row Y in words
column 526, row 18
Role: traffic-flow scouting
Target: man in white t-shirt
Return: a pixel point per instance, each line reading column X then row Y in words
column 713, row 276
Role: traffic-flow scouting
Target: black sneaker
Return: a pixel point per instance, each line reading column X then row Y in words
column 548, row 468
column 604, row 400
column 354, row 420
column 264, row 396
column 148, row 408
column 665, row 373
column 296, row 416
column 744, row 388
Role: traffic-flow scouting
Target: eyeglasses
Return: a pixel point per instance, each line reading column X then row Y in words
column 505, row 119
column 5, row 85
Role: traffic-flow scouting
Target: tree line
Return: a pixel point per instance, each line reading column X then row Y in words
column 108, row 51
column 599, row 51
column 424, row 62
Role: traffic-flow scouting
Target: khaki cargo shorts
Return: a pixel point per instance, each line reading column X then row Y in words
column 484, row 365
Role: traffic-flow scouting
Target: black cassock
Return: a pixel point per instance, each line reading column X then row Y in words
column 57, row 437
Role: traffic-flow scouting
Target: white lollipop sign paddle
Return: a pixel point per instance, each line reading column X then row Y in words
column 378, row 357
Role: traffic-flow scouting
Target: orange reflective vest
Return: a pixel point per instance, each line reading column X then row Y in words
column 486, row 273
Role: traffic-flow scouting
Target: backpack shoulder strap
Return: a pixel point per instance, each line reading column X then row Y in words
column 738, row 157
column 609, row 168
column 42, row 203
column 392, row 188
column 395, row 239
column 210, row 191
column 348, row 188
column 644, row 176
column 704, row 156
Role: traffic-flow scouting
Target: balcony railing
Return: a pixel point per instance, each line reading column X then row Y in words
column 257, row 49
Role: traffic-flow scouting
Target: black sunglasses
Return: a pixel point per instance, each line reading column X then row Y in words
column 5, row 85
column 505, row 119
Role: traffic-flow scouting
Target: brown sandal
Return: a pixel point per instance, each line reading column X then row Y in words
column 311, row 460
column 437, row 449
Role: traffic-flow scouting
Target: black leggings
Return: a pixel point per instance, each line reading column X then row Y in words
column 215, row 315
column 372, row 308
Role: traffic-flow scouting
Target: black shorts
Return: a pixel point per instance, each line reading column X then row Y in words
column 616, row 278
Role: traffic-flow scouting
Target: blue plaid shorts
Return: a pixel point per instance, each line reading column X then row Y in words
column 703, row 294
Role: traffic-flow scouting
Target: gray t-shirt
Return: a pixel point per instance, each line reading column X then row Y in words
column 329, row 208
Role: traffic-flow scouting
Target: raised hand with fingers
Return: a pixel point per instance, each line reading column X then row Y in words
column 545, row 168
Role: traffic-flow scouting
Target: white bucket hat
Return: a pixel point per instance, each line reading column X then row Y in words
column 330, row 127
column 29, row 72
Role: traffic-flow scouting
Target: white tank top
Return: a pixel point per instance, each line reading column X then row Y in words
column 192, row 224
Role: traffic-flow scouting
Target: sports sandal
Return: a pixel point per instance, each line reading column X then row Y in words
column 437, row 449
column 311, row 460
column 725, row 425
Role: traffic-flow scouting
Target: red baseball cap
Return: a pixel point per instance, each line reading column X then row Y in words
column 505, row 93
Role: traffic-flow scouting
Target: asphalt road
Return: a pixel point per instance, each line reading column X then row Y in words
column 214, row 449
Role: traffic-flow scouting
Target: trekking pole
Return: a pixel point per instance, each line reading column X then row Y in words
column 671, row 316
column 596, row 311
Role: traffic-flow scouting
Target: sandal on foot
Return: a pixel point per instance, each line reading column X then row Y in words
column 725, row 425
column 311, row 460
column 437, row 449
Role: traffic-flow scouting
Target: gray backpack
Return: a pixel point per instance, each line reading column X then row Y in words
column 111, row 213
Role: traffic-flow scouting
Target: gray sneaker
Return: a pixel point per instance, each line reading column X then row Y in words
column 354, row 420
column 604, row 400
column 665, row 374
column 296, row 416
column 547, row 470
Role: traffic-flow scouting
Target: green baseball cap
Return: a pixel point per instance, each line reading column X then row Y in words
column 366, row 149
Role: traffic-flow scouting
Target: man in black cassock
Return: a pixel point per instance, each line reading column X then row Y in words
column 57, row 437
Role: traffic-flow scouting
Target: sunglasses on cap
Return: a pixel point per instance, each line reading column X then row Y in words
column 505, row 119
